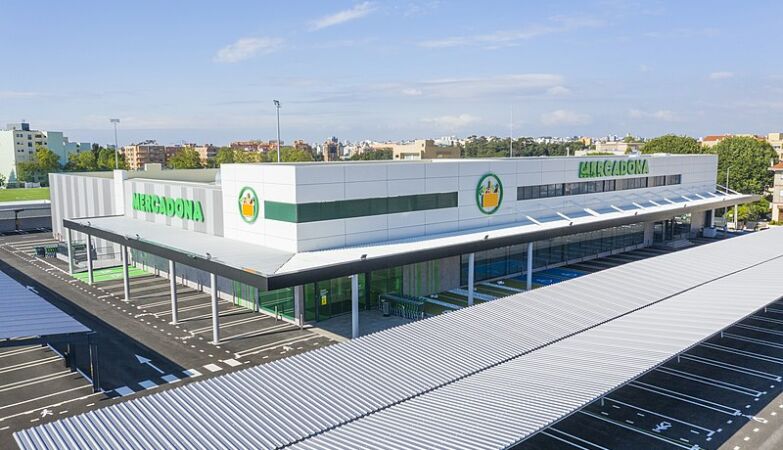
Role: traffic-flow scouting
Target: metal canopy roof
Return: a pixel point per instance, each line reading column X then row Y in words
column 24, row 314
column 296, row 399
column 269, row 268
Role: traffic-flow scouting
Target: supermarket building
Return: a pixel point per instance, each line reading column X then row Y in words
column 310, row 241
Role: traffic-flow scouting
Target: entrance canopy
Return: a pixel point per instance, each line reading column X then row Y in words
column 270, row 269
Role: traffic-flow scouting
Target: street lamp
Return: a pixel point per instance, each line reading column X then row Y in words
column 116, row 145
column 277, row 106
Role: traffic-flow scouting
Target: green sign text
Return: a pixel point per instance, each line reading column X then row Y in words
column 613, row 168
column 167, row 206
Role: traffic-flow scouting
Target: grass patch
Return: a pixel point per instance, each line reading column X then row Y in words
column 110, row 274
column 18, row 195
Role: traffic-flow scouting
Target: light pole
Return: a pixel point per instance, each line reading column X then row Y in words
column 116, row 145
column 511, row 135
column 277, row 106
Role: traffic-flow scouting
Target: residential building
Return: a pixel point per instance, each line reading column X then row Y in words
column 777, row 192
column 256, row 145
column 137, row 155
column 332, row 149
column 614, row 148
column 18, row 143
column 205, row 152
column 420, row 149
column 776, row 141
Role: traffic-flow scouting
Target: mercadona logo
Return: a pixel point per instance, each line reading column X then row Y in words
column 248, row 204
column 489, row 193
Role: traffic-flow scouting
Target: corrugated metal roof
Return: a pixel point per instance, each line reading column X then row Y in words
column 289, row 400
column 25, row 314
column 505, row 404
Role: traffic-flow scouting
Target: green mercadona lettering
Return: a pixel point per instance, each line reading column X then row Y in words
column 184, row 209
column 613, row 168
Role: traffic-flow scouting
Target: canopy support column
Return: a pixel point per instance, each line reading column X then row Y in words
column 69, row 245
column 90, row 277
column 125, row 276
column 215, row 312
column 299, row 305
column 529, row 273
column 173, row 289
column 471, row 277
column 354, row 306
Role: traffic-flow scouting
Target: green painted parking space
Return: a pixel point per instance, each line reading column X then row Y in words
column 110, row 274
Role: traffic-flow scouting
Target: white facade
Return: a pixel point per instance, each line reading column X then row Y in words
column 18, row 143
column 297, row 184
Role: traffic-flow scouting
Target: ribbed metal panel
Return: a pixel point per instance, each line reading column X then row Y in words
column 505, row 404
column 286, row 401
column 25, row 314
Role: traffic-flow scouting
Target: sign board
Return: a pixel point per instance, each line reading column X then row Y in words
column 169, row 206
column 613, row 168
column 489, row 193
column 247, row 201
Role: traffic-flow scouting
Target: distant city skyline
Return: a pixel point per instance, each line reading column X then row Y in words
column 391, row 70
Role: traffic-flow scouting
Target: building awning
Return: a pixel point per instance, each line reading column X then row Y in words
column 483, row 377
column 24, row 314
column 269, row 269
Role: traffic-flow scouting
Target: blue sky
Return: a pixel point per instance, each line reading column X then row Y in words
column 207, row 71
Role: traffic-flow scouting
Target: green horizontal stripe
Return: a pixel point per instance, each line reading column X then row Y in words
column 346, row 209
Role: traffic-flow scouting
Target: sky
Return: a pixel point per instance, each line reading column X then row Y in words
column 207, row 71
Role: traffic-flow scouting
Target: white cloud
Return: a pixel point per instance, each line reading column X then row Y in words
column 506, row 38
column 558, row 90
column 516, row 84
column 8, row 95
column 564, row 117
column 357, row 12
column 246, row 48
column 413, row 92
column 451, row 122
column 663, row 115
column 721, row 75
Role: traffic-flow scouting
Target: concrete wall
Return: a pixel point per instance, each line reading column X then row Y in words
column 306, row 183
column 75, row 195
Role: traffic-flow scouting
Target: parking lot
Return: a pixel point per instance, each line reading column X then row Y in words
column 139, row 350
column 697, row 400
column 37, row 386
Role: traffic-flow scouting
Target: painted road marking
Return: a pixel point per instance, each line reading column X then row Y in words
column 709, row 432
column 191, row 373
column 32, row 381
column 731, row 367
column 685, row 398
column 232, row 362
column 213, row 367
column 638, row 430
column 147, row 384
column 45, row 396
column 711, row 382
column 170, row 378
column 29, row 364
column 124, row 390
column 261, row 348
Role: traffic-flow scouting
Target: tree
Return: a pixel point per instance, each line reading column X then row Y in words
column 671, row 143
column 40, row 165
column 373, row 155
column 82, row 162
column 225, row 155
column 2, row 180
column 748, row 161
column 291, row 154
column 105, row 159
column 185, row 158
column 749, row 212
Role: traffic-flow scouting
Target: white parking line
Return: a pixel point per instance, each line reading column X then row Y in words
column 213, row 367
column 638, row 430
column 31, row 381
column 46, row 396
column 572, row 437
column 689, row 424
column 232, row 362
column 751, row 340
column 731, row 367
column 747, row 353
column 254, row 318
column 759, row 329
column 685, row 398
column 54, row 405
column 29, row 364
column 19, row 351
column 261, row 348
column 261, row 331
column 710, row 382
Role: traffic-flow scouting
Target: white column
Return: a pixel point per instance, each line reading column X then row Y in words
column 125, row 277
column 354, row 306
column 173, row 289
column 90, row 278
column 471, row 277
column 215, row 312
column 299, row 305
column 69, row 245
column 529, row 272
column 712, row 219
